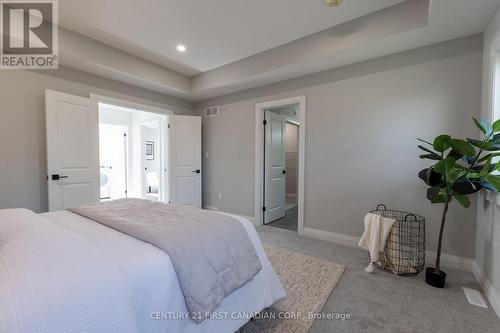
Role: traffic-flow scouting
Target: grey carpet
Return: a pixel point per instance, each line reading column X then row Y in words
column 386, row 303
column 289, row 221
column 308, row 282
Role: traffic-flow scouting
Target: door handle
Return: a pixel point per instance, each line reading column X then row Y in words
column 197, row 171
column 57, row 177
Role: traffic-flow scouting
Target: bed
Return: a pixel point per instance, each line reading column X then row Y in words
column 61, row 272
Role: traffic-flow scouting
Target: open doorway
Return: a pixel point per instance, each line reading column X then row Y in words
column 103, row 147
column 113, row 155
column 280, row 164
column 132, row 154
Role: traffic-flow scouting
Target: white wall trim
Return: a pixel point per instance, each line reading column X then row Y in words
column 450, row 261
column 130, row 105
column 332, row 237
column 488, row 290
column 447, row 260
column 259, row 158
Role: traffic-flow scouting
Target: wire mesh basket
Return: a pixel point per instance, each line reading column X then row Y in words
column 404, row 252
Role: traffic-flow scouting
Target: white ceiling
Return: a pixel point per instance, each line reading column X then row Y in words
column 447, row 20
column 215, row 32
column 235, row 45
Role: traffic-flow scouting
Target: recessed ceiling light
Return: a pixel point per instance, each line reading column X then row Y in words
column 181, row 48
column 333, row 3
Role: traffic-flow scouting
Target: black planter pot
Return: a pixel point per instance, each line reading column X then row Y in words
column 435, row 279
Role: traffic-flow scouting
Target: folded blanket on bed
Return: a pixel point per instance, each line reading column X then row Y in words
column 211, row 253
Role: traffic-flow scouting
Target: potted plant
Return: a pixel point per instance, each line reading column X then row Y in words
column 462, row 167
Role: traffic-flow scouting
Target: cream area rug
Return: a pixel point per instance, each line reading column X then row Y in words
column 308, row 282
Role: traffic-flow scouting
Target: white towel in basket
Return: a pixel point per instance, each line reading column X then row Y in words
column 377, row 229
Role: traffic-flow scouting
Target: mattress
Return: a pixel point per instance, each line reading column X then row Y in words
column 158, row 302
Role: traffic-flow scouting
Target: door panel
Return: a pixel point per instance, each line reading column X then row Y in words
column 76, row 194
column 185, row 153
column 186, row 190
column 72, row 124
column 274, row 165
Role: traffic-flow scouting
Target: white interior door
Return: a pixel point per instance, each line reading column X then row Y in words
column 185, row 160
column 72, row 124
column 274, row 167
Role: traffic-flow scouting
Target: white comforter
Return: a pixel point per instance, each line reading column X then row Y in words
column 75, row 275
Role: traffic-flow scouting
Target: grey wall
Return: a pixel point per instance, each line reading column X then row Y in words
column 361, row 130
column 488, row 212
column 22, row 126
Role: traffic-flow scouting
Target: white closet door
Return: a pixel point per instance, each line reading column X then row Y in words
column 185, row 160
column 274, row 167
column 72, row 124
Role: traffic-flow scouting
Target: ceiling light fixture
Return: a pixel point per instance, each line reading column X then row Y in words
column 333, row 3
column 181, row 48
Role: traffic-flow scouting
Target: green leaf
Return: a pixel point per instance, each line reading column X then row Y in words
column 496, row 126
column 485, row 145
column 427, row 150
column 439, row 167
column 440, row 198
column 493, row 180
column 442, row 143
column 486, row 157
column 431, row 157
column 455, row 154
column 478, row 124
column 462, row 199
column 449, row 168
column 422, row 140
column 486, row 168
column 472, row 175
column 463, row 147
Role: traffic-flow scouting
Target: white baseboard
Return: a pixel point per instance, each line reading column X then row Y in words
column 211, row 208
column 488, row 290
column 448, row 261
column 291, row 195
column 331, row 237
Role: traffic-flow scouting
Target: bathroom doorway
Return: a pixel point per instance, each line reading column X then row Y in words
column 132, row 152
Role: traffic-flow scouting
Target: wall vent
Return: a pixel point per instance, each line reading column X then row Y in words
column 212, row 111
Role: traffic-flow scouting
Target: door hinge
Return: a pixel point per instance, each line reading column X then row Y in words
column 263, row 209
column 265, row 122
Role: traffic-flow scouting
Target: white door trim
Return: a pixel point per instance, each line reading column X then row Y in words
column 259, row 156
column 164, row 194
column 130, row 105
